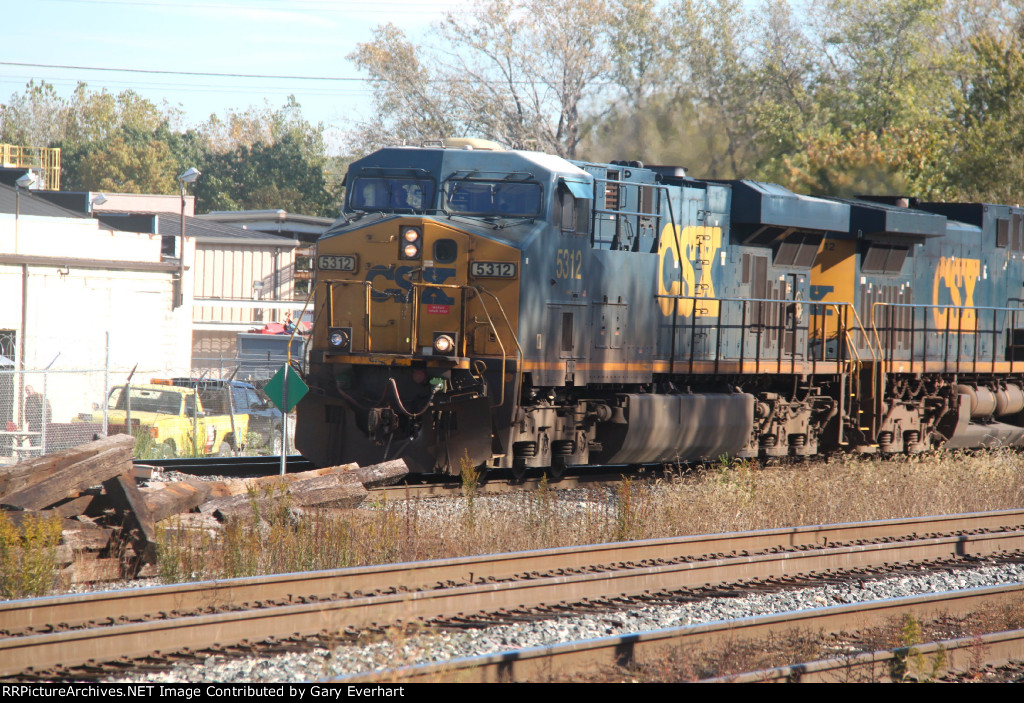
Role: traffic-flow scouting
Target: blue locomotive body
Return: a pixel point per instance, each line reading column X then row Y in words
column 476, row 306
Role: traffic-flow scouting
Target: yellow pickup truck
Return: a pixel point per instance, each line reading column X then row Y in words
column 174, row 419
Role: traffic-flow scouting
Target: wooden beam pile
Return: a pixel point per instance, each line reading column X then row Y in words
column 109, row 524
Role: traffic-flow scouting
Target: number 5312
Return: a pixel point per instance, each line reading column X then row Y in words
column 569, row 263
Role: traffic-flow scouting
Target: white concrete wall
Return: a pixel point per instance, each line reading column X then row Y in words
column 69, row 310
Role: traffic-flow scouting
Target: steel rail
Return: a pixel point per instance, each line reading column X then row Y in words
column 961, row 654
column 540, row 663
column 111, row 607
column 99, row 644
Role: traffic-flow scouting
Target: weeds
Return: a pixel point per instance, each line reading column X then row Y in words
column 723, row 497
column 28, row 556
column 181, row 552
column 628, row 511
column 470, row 476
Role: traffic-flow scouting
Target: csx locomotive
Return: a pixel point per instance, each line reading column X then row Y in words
column 483, row 307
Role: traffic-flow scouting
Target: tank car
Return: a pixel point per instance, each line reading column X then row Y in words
column 482, row 307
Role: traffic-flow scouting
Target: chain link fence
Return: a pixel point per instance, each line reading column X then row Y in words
column 225, row 411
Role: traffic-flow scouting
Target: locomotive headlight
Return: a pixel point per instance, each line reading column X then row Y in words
column 411, row 242
column 444, row 343
column 339, row 338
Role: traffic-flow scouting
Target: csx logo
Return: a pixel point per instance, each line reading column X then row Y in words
column 401, row 291
column 677, row 251
column 957, row 277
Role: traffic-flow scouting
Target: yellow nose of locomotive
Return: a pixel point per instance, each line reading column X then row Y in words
column 393, row 289
column 410, row 288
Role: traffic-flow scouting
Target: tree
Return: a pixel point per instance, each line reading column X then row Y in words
column 264, row 159
column 988, row 163
column 108, row 142
column 260, row 158
column 32, row 118
column 116, row 143
column 129, row 161
column 520, row 72
column 695, row 104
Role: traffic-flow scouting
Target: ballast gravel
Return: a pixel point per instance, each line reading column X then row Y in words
column 402, row 650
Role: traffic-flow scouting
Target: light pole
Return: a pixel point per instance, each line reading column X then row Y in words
column 26, row 182
column 189, row 176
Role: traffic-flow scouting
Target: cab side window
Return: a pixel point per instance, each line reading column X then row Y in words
column 573, row 213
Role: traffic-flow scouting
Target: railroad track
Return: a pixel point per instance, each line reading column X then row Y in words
column 635, row 649
column 43, row 635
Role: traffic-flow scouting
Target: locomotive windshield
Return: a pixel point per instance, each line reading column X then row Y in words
column 388, row 194
column 483, row 198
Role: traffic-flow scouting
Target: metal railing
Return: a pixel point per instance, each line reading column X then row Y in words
column 906, row 327
column 783, row 338
column 47, row 159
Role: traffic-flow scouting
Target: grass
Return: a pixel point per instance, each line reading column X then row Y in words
column 721, row 498
column 28, row 556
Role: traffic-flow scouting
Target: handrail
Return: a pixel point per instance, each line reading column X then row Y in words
column 414, row 336
column 944, row 332
column 627, row 215
column 959, row 331
column 744, row 324
column 480, row 289
column 45, row 158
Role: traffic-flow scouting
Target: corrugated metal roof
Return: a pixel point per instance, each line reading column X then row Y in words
column 211, row 231
column 27, row 204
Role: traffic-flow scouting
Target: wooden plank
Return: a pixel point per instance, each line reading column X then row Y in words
column 70, row 479
column 81, row 539
column 177, row 497
column 18, row 517
column 135, row 515
column 87, row 537
column 330, row 491
column 74, row 506
column 242, row 486
column 378, row 475
column 27, row 473
column 89, row 568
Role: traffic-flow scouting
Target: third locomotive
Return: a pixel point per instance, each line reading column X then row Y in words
column 477, row 306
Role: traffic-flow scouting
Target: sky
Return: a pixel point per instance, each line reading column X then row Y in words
column 293, row 38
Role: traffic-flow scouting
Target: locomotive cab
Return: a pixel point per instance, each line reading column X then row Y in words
column 416, row 337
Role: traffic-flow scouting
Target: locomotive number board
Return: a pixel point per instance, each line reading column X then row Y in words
column 492, row 269
column 337, row 263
